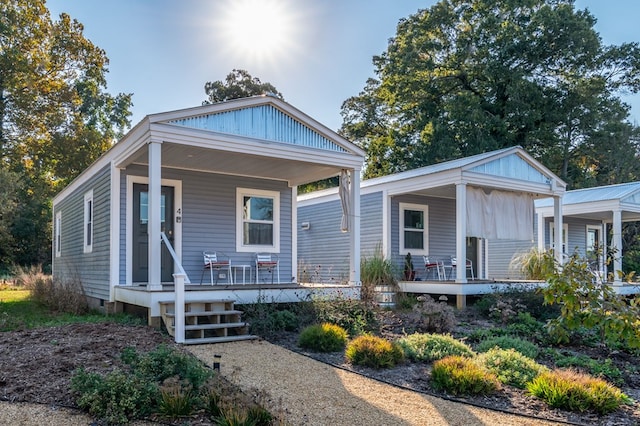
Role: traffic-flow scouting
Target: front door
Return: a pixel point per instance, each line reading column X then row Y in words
column 140, row 273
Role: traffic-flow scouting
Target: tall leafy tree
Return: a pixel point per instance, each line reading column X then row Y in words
column 237, row 84
column 56, row 117
column 469, row 76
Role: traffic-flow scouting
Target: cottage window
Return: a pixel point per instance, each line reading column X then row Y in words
column 565, row 236
column 58, row 234
column 257, row 221
column 414, row 236
column 88, row 222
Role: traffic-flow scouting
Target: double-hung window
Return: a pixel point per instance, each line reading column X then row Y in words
column 565, row 236
column 88, row 222
column 257, row 220
column 414, row 233
column 58, row 234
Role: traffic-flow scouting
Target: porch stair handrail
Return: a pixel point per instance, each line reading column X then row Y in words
column 175, row 257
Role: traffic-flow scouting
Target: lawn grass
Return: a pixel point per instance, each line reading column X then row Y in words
column 18, row 311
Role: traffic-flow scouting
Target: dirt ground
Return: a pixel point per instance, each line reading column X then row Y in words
column 37, row 365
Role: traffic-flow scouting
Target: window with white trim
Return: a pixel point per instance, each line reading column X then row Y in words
column 257, row 220
column 414, row 232
column 565, row 236
column 88, row 222
column 58, row 234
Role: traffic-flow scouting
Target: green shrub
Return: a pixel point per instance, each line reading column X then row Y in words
column 585, row 303
column 525, row 347
column 117, row 397
column 575, row 391
column 527, row 326
column 430, row 347
column 354, row 316
column 176, row 398
column 599, row 368
column 323, row 338
column 373, row 351
column 165, row 362
column 511, row 367
column 284, row 320
column 462, row 376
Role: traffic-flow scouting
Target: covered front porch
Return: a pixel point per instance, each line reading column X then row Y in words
column 221, row 179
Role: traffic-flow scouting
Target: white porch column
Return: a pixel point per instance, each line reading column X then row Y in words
column 616, row 246
column 605, row 250
column 294, row 233
column 485, row 272
column 153, row 227
column 540, row 230
column 114, row 245
column 354, row 243
column 557, row 223
column 178, row 307
column 461, row 232
column 386, row 224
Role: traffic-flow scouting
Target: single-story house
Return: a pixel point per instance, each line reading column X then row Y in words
column 587, row 214
column 220, row 177
column 472, row 208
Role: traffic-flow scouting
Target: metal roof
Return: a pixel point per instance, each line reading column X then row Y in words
column 617, row 192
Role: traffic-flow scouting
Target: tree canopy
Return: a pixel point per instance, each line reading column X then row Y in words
column 470, row 76
column 238, row 84
column 56, row 117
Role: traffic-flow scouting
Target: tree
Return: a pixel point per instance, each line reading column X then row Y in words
column 238, row 84
column 469, row 76
column 55, row 116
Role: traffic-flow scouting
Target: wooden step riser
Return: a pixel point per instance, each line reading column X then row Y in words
column 207, row 321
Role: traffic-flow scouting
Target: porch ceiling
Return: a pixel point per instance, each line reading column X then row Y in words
column 210, row 160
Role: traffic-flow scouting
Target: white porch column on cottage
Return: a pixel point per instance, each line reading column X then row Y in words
column 616, row 246
column 154, row 227
column 461, row 232
column 540, row 230
column 558, row 229
column 354, row 235
column 605, row 250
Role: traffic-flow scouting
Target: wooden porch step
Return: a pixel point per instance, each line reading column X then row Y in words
column 204, row 313
column 215, row 326
column 205, row 340
column 207, row 321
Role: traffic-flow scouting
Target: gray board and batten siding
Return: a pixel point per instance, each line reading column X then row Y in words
column 91, row 269
column 209, row 218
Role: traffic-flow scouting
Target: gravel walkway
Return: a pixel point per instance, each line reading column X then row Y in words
column 308, row 392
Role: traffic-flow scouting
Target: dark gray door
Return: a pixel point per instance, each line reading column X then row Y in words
column 140, row 234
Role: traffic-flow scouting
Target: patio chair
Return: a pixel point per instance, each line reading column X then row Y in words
column 431, row 264
column 268, row 262
column 454, row 264
column 218, row 262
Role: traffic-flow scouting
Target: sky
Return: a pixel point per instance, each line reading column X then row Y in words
column 317, row 53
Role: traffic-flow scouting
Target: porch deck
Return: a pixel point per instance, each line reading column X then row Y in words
column 479, row 287
column 139, row 295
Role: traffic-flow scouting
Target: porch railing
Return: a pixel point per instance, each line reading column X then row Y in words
column 175, row 258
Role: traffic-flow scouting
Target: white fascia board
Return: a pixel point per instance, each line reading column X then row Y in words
column 225, row 142
column 105, row 159
column 630, row 207
column 581, row 208
column 318, row 197
column 509, row 184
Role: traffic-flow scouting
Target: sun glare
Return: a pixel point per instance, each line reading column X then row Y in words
column 258, row 29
